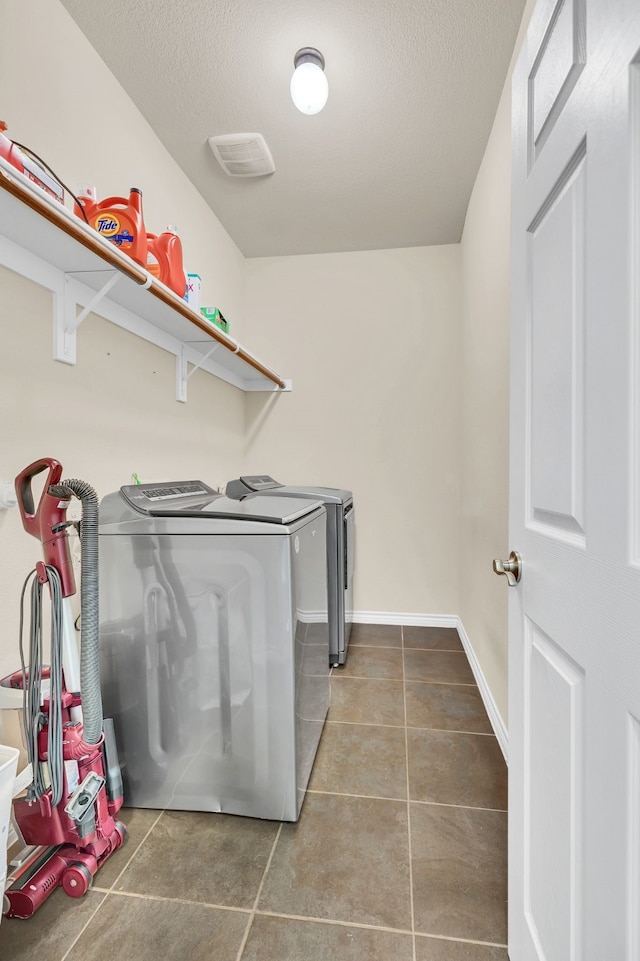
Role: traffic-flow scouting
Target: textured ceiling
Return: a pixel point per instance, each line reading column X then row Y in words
column 390, row 161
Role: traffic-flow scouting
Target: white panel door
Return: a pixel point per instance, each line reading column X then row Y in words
column 574, row 617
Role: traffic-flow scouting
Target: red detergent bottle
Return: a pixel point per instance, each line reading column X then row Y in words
column 8, row 149
column 164, row 260
column 118, row 220
column 27, row 166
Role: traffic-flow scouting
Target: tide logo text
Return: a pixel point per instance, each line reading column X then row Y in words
column 107, row 225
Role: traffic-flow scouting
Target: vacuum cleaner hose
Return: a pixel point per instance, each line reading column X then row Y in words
column 89, row 611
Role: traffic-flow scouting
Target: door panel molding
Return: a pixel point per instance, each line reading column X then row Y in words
column 554, row 762
column 555, row 422
column 557, row 66
column 633, row 814
column 634, row 487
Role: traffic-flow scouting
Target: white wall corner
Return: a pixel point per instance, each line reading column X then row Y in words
column 497, row 722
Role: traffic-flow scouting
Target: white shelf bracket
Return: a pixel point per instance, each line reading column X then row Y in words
column 183, row 373
column 66, row 321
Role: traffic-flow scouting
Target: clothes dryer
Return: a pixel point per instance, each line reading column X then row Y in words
column 341, row 520
column 217, row 688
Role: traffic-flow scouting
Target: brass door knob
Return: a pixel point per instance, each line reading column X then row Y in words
column 512, row 568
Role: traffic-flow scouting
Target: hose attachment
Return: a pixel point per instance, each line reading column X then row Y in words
column 89, row 607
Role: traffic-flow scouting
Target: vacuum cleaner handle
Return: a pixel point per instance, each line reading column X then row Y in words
column 47, row 522
column 32, row 517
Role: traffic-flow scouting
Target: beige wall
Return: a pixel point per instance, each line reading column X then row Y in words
column 372, row 341
column 115, row 412
column 485, row 403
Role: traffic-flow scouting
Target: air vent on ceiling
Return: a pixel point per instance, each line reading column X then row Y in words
column 243, row 154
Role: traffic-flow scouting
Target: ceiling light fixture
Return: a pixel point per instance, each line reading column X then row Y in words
column 309, row 87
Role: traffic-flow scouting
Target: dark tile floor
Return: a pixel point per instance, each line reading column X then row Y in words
column 399, row 854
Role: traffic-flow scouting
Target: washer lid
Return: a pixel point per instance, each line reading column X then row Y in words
column 274, row 510
column 263, row 484
column 328, row 495
column 194, row 499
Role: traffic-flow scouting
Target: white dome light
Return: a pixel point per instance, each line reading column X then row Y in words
column 309, row 87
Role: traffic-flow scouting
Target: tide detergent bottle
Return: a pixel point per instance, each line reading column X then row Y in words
column 118, row 220
column 164, row 260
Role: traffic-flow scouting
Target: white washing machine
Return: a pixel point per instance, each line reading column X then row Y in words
column 214, row 646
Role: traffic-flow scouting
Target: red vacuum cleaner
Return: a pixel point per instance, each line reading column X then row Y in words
column 68, row 815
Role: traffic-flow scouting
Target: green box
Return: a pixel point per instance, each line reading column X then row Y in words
column 213, row 315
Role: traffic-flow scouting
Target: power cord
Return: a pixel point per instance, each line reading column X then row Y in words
column 34, row 156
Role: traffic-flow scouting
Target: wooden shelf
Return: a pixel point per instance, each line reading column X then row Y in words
column 46, row 242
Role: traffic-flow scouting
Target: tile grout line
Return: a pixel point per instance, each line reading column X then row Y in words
column 402, row 646
column 413, row 727
column 375, row 647
column 212, row 906
column 134, row 853
column 442, row 683
column 451, row 940
column 461, row 807
column 102, row 900
column 391, row 727
column 365, row 797
column 450, row 730
column 401, row 800
column 375, row 927
column 362, row 925
column 245, row 937
column 410, row 680
column 84, row 928
column 406, row 761
column 368, row 677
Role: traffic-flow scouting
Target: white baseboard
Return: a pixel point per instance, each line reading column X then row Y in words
column 447, row 620
column 497, row 722
column 408, row 620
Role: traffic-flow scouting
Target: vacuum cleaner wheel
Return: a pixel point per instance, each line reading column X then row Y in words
column 76, row 880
